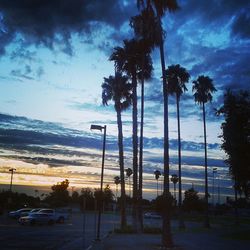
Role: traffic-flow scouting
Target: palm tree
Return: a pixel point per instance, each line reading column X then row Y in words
column 129, row 172
column 131, row 59
column 177, row 76
column 117, row 181
column 117, row 89
column 203, row 88
column 160, row 7
column 157, row 174
column 174, row 179
column 140, row 24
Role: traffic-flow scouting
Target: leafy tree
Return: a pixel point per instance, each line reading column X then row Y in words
column 117, row 89
column 75, row 197
column 59, row 195
column 88, row 195
column 203, row 89
column 18, row 200
column 160, row 8
column 107, row 195
column 236, row 137
column 160, row 204
column 192, row 202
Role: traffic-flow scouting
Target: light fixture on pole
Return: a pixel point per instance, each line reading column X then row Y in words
column 12, row 170
column 100, row 128
column 214, row 171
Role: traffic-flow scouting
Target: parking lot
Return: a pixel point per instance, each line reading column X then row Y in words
column 57, row 236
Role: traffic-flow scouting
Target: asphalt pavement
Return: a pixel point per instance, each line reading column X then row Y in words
column 79, row 231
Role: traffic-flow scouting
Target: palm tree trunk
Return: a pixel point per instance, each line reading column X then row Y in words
column 135, row 155
column 166, row 224
column 236, row 214
column 141, row 156
column 181, row 221
column 121, row 161
column 207, row 225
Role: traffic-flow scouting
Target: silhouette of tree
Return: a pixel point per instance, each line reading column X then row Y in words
column 236, row 137
column 59, row 195
column 131, row 59
column 129, row 172
column 117, row 181
column 192, row 202
column 175, row 179
column 160, row 8
column 203, row 88
column 107, row 195
column 157, row 174
column 139, row 24
column 177, row 77
column 117, row 89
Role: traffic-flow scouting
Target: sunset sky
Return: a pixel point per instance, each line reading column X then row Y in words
column 54, row 55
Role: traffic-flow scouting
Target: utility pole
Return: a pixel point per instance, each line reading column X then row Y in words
column 12, row 170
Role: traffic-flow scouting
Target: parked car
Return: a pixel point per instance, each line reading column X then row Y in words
column 37, row 218
column 58, row 215
column 35, row 210
column 20, row 212
column 152, row 215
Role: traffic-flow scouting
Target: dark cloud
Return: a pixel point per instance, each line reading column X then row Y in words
column 240, row 26
column 49, row 22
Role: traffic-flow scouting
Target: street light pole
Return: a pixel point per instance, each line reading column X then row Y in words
column 11, row 178
column 98, row 127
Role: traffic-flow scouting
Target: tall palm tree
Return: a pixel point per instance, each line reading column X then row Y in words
column 177, row 77
column 131, row 59
column 203, row 89
column 157, row 174
column 129, row 172
column 141, row 25
column 117, row 181
column 117, row 89
column 174, row 179
column 160, row 7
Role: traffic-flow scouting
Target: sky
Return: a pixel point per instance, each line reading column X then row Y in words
column 53, row 58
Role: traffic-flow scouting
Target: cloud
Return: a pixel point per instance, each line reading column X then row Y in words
column 49, row 22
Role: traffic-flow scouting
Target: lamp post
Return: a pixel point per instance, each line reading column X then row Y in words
column 12, row 170
column 214, row 171
column 100, row 128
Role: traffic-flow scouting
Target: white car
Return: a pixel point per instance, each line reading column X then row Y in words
column 37, row 218
column 18, row 213
column 58, row 215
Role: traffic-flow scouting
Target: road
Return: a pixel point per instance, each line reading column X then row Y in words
column 14, row 236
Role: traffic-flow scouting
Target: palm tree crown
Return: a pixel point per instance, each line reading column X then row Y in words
column 157, row 174
column 117, row 180
column 174, row 178
column 203, row 88
column 177, row 76
column 118, row 89
column 161, row 6
column 133, row 58
column 129, row 172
